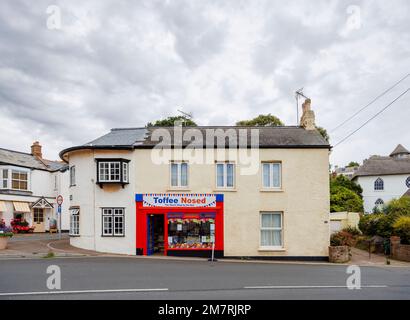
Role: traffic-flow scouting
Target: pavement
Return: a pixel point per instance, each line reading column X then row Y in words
column 39, row 245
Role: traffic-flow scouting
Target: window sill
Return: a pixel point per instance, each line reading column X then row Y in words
column 74, row 235
column 225, row 190
column 271, row 190
column 271, row 249
column 174, row 189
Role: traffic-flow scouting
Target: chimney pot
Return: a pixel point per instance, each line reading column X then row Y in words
column 36, row 150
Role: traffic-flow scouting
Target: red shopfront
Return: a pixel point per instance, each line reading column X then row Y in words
column 180, row 224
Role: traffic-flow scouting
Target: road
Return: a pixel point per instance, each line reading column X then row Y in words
column 136, row 278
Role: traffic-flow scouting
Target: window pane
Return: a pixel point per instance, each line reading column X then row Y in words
column 267, row 238
column 220, row 175
column 267, row 221
column 277, row 221
column 230, row 174
column 174, row 174
column 277, row 238
column 276, row 175
column 184, row 174
column 266, row 175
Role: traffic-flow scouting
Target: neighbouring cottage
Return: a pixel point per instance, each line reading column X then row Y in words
column 29, row 185
column 384, row 178
column 245, row 191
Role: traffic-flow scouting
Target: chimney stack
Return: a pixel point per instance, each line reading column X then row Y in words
column 308, row 117
column 36, row 150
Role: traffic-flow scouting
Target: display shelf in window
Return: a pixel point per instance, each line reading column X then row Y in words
column 112, row 171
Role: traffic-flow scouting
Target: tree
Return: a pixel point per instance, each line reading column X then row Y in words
column 262, row 120
column 323, row 133
column 170, row 122
column 353, row 164
column 347, row 183
column 343, row 199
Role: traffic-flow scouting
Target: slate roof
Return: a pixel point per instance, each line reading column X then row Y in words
column 16, row 158
column 269, row 137
column 399, row 150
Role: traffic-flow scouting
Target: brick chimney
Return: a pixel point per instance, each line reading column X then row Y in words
column 307, row 120
column 36, row 150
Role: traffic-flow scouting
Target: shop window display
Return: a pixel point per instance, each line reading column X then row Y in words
column 191, row 233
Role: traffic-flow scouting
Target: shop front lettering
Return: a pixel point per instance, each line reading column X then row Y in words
column 184, row 200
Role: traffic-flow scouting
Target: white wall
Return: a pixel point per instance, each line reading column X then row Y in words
column 91, row 199
column 394, row 187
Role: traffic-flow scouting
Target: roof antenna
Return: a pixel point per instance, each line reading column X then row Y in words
column 298, row 93
column 188, row 115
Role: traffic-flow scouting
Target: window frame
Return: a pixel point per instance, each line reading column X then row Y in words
column 112, row 215
column 74, row 212
column 179, row 175
column 225, row 175
column 271, row 177
column 123, row 171
column 378, row 184
column 281, row 229
column 4, row 181
column 379, row 202
column 72, row 176
column 11, row 179
column 407, row 182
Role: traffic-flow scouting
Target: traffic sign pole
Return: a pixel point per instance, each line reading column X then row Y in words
column 60, row 201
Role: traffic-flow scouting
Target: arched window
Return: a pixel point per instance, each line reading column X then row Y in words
column 379, row 184
column 408, row 182
column 379, row 202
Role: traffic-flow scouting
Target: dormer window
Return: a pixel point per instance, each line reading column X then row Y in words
column 112, row 171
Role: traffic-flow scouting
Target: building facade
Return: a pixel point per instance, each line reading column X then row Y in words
column 29, row 186
column 144, row 191
column 384, row 178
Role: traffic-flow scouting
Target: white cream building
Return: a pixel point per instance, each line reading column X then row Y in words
column 384, row 178
column 29, row 186
column 272, row 203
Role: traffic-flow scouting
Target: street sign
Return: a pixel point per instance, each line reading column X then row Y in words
column 60, row 200
column 59, row 209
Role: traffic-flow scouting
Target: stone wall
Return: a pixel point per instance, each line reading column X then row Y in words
column 399, row 251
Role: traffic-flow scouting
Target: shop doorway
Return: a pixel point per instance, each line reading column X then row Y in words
column 155, row 233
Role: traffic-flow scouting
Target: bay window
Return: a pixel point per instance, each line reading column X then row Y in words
column 179, row 174
column 225, row 175
column 271, row 230
column 112, row 171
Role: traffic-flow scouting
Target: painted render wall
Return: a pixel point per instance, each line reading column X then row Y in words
column 304, row 200
column 41, row 184
column 394, row 187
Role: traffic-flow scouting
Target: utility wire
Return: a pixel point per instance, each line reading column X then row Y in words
column 370, row 103
column 408, row 89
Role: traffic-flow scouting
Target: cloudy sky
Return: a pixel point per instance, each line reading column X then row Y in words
column 124, row 63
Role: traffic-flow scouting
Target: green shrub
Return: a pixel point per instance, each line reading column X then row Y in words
column 401, row 228
column 342, row 238
column 398, row 207
column 343, row 199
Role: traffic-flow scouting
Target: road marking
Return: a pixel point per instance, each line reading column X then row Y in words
column 311, row 287
column 78, row 292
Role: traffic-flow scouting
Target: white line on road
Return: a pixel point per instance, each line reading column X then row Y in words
column 78, row 292
column 311, row 287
